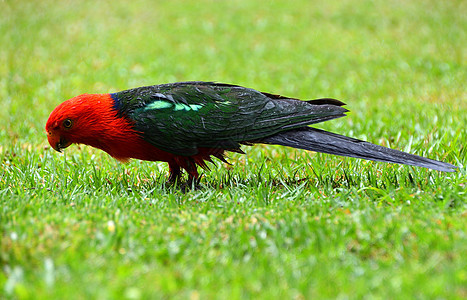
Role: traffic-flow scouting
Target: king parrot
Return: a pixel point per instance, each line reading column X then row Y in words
column 187, row 123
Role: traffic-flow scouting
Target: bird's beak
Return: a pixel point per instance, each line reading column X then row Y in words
column 57, row 142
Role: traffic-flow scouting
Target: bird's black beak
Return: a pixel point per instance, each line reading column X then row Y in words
column 57, row 141
column 61, row 144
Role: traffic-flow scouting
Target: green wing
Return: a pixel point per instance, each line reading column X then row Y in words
column 181, row 117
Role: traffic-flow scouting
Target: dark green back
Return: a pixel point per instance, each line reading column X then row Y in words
column 181, row 117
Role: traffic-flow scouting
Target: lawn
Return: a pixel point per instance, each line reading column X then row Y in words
column 278, row 222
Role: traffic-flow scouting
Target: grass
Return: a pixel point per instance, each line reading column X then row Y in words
column 279, row 222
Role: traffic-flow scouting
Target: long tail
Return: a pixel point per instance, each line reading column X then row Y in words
column 327, row 142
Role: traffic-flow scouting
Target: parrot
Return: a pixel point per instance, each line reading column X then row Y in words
column 186, row 124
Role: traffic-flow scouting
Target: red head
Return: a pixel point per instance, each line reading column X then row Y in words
column 88, row 119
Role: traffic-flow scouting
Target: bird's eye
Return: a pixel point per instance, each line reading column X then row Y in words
column 67, row 123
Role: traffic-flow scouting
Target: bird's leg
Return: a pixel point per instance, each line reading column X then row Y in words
column 193, row 176
column 175, row 173
column 193, row 181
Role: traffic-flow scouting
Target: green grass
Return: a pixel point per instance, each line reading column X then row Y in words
column 279, row 222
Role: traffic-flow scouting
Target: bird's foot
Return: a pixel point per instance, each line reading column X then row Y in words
column 191, row 184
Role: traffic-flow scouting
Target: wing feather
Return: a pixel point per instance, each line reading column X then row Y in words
column 182, row 117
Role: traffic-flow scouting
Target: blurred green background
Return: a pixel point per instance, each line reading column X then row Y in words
column 371, row 54
column 280, row 223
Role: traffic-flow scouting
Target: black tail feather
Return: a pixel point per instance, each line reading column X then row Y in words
column 327, row 142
